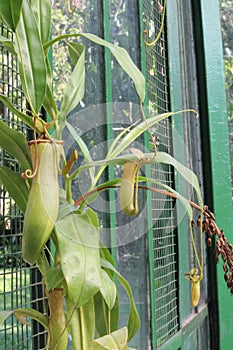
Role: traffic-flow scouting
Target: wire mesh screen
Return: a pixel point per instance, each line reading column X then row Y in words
column 164, row 238
column 19, row 286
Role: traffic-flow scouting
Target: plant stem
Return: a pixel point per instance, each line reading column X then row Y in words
column 57, row 321
column 68, row 183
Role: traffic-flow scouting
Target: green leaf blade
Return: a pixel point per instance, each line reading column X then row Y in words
column 114, row 341
column 187, row 174
column 15, row 185
column 133, row 320
column 27, row 312
column 42, row 12
column 78, row 244
column 10, row 12
column 16, row 144
column 74, row 90
column 125, row 62
column 54, row 278
column 84, row 149
column 8, row 44
column 24, row 117
column 32, row 59
column 119, row 53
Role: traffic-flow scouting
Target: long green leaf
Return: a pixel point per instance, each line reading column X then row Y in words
column 136, row 132
column 54, row 278
column 131, row 136
column 74, row 90
column 119, row 53
column 125, row 62
column 187, row 174
column 108, row 289
column 42, row 12
column 74, row 324
column 112, row 159
column 133, row 321
column 75, row 51
column 27, row 312
column 8, row 44
column 106, row 320
column 16, row 144
column 42, row 263
column 78, row 244
column 24, row 117
column 87, row 319
column 31, row 57
column 114, row 341
column 84, row 149
column 49, row 102
column 10, row 12
column 15, row 185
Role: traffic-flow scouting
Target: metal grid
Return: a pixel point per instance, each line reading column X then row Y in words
column 164, row 238
column 19, row 286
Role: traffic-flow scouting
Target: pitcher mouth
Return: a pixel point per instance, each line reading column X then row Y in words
column 37, row 141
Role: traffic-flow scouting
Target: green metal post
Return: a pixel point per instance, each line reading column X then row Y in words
column 219, row 158
column 108, row 82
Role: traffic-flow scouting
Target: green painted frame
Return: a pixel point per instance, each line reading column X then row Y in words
column 218, row 160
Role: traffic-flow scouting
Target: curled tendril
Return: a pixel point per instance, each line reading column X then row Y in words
column 28, row 174
column 69, row 7
column 160, row 29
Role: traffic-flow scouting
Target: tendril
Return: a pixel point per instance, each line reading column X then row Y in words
column 28, row 174
column 69, row 7
column 160, row 29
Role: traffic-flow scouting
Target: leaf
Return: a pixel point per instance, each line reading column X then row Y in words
column 87, row 320
column 75, row 51
column 74, row 324
column 15, row 185
column 133, row 321
column 49, row 103
column 27, row 312
column 78, row 244
column 4, row 315
column 125, row 62
column 83, row 147
column 114, row 341
column 10, row 12
column 34, row 314
column 81, row 324
column 8, row 44
column 134, row 133
column 16, row 144
column 42, row 263
column 187, row 174
column 74, row 90
column 119, row 53
column 31, row 57
column 24, row 117
column 54, row 278
column 104, row 316
column 42, row 12
column 108, row 289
